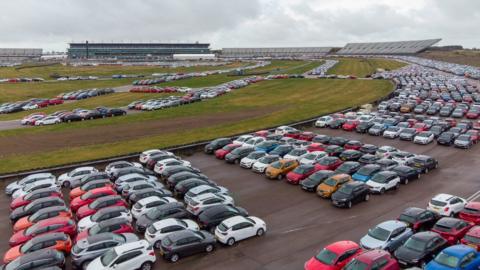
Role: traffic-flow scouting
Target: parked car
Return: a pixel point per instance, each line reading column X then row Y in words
column 138, row 254
column 350, row 193
column 471, row 212
column 384, row 181
column 280, row 168
column 388, row 235
column 452, row 229
column 446, row 204
column 332, row 184
column 419, row 219
column 104, row 214
column 237, row 228
column 170, row 210
column 420, row 249
column 185, row 243
column 422, row 163
column 43, row 259
column 455, row 257
column 334, row 256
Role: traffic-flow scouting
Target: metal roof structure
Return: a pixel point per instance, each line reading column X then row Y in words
column 396, row 47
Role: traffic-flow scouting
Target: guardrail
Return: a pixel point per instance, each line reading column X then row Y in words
column 185, row 149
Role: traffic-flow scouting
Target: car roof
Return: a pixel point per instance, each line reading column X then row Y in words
column 413, row 211
column 458, row 250
column 443, row 197
column 174, row 237
column 46, row 199
column 108, row 197
column 36, row 255
column 54, row 220
column 48, row 237
column 392, row 225
column 111, row 209
column 165, row 222
column 131, row 246
column 448, row 221
column 371, row 255
column 112, row 221
column 427, row 235
column 100, row 237
column 229, row 222
column 341, row 246
column 206, row 196
column 149, row 199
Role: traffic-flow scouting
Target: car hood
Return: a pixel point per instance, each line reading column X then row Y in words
column 432, row 265
column 63, row 177
column 85, row 222
column 338, row 196
column 314, row 264
column 17, row 213
column 95, row 264
column 18, row 238
column 369, row 242
column 144, row 221
column 248, row 160
column 408, row 255
column 130, row 237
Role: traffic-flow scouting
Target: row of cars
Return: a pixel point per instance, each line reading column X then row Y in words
column 457, row 69
column 154, row 89
column 42, row 119
column 85, row 93
column 175, row 208
column 18, row 80
column 345, row 171
column 444, row 236
column 323, row 69
column 407, row 127
column 31, row 104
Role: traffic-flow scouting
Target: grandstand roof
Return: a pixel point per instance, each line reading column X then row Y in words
column 274, row 51
column 396, row 47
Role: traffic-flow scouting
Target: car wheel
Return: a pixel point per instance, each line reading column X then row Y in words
column 174, row 258
column 69, row 120
column 260, row 232
column 436, row 165
column 397, row 186
column 146, row 266
column 85, row 264
column 231, row 241
column 66, row 184
column 426, row 170
column 451, row 214
column 237, row 161
column 280, row 177
column 158, row 244
column 212, row 230
column 209, row 248
column 419, row 175
column 382, row 191
column 367, row 197
column 423, row 264
column 405, row 182
column 349, row 204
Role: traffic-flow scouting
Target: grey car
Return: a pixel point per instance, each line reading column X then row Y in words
column 42, row 259
column 35, row 206
column 88, row 249
column 169, row 210
column 388, row 235
column 185, row 243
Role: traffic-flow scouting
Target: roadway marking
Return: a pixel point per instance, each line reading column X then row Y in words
column 474, row 196
column 315, row 225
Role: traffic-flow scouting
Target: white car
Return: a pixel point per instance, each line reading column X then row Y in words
column 104, row 214
column 392, row 132
column 49, row 120
column 45, row 183
column 261, row 165
column 113, row 167
column 129, row 188
column 383, row 181
column 134, row 177
column 165, row 163
column 145, row 204
column 248, row 161
column 252, row 142
column 202, row 189
column 401, row 157
column 296, row 154
column 282, row 130
column 424, row 137
column 29, row 120
column 323, row 121
column 66, row 179
column 30, row 106
column 312, row 157
column 385, row 151
column 446, row 204
column 201, row 202
column 144, row 156
column 134, row 255
column 160, row 229
column 366, row 118
column 238, row 228
column 14, row 186
column 242, row 139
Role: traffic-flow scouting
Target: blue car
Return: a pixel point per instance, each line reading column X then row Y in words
column 459, row 257
column 281, row 150
column 366, row 172
column 266, row 146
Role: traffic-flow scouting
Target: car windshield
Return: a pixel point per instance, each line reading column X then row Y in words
column 465, row 138
column 30, row 230
column 415, row 244
column 366, row 170
column 379, row 233
column 345, row 168
column 394, row 129
column 276, row 165
column 356, row 265
column 379, row 178
column 326, row 256
column 407, row 218
column 222, row 227
column 438, row 203
column 318, row 176
column 108, row 257
column 447, row 260
column 442, row 228
column 255, row 155
column 346, row 189
column 470, row 210
column 237, row 151
column 297, row 152
column 310, row 156
column 472, row 239
column 24, row 248
column 267, row 160
column 408, row 131
column 86, row 195
column 424, row 134
column 326, row 161
column 330, row 182
column 153, row 214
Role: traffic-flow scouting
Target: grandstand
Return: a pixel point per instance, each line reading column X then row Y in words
column 286, row 52
column 397, row 47
column 19, row 55
column 135, row 51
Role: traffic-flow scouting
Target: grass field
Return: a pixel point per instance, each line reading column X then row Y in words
column 276, row 102
column 107, row 70
column 361, row 67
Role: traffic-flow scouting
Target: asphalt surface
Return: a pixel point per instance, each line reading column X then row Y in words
column 299, row 224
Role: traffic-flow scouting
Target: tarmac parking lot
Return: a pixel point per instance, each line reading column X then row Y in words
column 299, row 223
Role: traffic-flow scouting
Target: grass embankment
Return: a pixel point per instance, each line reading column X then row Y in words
column 361, row 67
column 288, row 100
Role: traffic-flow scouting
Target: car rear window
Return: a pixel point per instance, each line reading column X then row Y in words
column 442, row 228
column 222, row 227
column 438, row 203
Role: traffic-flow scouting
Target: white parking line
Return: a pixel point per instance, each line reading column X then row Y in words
column 474, row 196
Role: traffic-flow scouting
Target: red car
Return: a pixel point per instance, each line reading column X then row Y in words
column 300, row 173
column 306, row 136
column 353, row 145
column 472, row 115
column 452, row 229
column 476, row 125
column 261, row 133
column 334, row 256
column 91, row 196
column 471, row 212
column 55, row 101
column 419, row 127
column 114, row 225
column 452, row 122
column 472, row 238
column 28, row 198
column 328, row 163
column 292, row 134
column 373, row 259
column 316, row 147
column 473, row 134
column 102, row 202
column 56, row 224
column 350, row 125
column 412, row 122
column 221, row 153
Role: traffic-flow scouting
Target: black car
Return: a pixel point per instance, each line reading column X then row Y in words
column 137, row 195
column 216, row 144
column 315, row 179
column 174, row 179
column 337, row 123
column 171, row 170
column 40, row 259
column 183, row 187
column 213, row 216
column 93, row 114
column 419, row 249
column 238, row 153
column 386, row 164
column 408, row 134
column 109, row 112
column 334, row 150
column 129, row 170
column 351, row 193
column 325, row 139
column 340, row 141
column 363, row 127
column 437, row 130
column 422, row 163
column 349, row 167
column 369, row 149
column 350, row 155
column 281, row 150
column 35, row 206
column 446, row 138
column 419, row 219
column 368, row 159
column 184, row 243
column 71, row 118
column 406, row 173
column 169, row 210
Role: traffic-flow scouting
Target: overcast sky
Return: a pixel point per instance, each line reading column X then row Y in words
column 51, row 24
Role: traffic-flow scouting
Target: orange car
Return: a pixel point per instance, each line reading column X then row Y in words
column 280, row 168
column 332, row 184
column 42, row 214
column 58, row 241
column 79, row 191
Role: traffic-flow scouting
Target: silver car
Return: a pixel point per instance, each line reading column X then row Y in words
column 388, row 235
column 88, row 249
